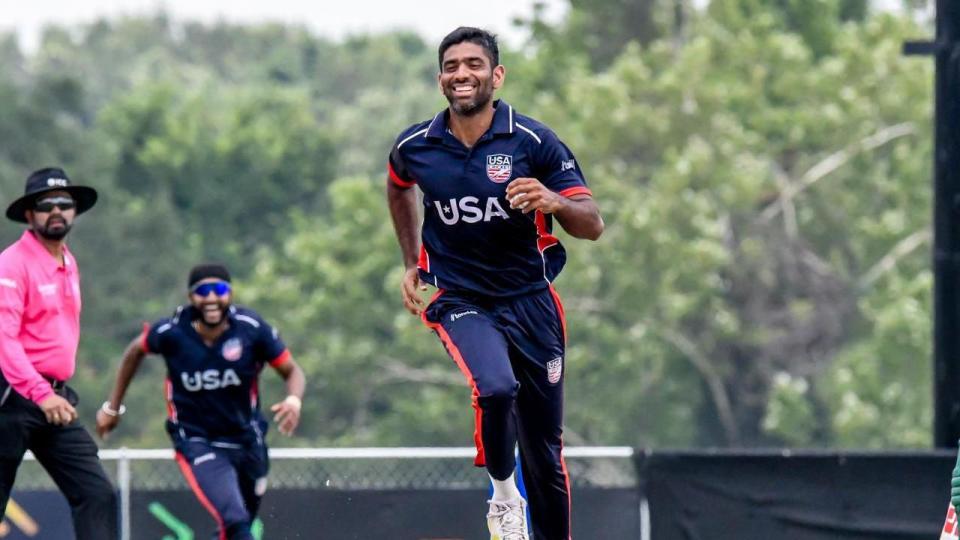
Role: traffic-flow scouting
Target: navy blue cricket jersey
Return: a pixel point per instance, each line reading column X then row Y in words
column 212, row 391
column 471, row 239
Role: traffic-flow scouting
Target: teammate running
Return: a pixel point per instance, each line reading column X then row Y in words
column 214, row 352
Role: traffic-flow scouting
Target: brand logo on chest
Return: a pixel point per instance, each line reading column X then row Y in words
column 499, row 167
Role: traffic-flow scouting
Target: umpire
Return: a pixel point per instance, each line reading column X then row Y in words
column 39, row 335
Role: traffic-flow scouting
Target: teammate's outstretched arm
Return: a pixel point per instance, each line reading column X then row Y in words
column 108, row 416
column 287, row 412
column 578, row 215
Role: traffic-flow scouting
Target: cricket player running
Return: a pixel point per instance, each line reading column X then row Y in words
column 493, row 180
column 214, row 352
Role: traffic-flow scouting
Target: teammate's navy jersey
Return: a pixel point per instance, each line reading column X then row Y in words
column 212, row 391
column 471, row 239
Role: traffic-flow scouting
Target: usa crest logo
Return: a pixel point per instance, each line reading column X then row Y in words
column 499, row 167
column 232, row 349
column 554, row 370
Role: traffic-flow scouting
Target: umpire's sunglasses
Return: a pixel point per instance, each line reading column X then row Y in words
column 48, row 204
column 219, row 288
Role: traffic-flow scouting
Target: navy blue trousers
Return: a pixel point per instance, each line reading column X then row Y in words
column 511, row 351
column 228, row 479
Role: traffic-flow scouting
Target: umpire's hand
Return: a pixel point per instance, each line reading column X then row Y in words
column 58, row 410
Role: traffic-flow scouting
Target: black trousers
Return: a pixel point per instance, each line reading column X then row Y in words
column 69, row 455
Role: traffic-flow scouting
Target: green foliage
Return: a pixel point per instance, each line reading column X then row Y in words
column 762, row 168
column 748, row 186
column 202, row 150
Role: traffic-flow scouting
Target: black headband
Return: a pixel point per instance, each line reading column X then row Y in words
column 204, row 271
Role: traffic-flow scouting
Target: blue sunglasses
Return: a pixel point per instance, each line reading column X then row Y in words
column 219, row 288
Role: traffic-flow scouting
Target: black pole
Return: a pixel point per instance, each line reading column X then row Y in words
column 946, row 243
column 946, row 211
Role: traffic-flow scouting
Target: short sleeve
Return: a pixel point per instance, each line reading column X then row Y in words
column 13, row 284
column 557, row 168
column 271, row 347
column 397, row 171
column 154, row 338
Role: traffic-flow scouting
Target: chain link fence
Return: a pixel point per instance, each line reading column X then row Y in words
column 355, row 468
column 344, row 469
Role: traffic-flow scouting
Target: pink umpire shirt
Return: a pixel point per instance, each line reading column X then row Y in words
column 39, row 317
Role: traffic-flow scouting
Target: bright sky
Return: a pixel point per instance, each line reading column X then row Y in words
column 431, row 18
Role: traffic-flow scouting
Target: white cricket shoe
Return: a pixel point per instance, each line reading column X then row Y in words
column 507, row 520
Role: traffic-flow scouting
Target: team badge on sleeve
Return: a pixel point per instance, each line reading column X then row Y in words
column 499, row 167
column 232, row 349
column 554, row 370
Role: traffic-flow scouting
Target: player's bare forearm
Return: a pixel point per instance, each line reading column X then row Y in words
column 108, row 416
column 406, row 221
column 580, row 217
column 287, row 412
column 293, row 378
column 133, row 355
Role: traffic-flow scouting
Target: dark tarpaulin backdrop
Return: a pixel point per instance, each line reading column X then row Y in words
column 802, row 495
column 328, row 514
column 417, row 514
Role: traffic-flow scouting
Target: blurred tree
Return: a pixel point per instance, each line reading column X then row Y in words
column 763, row 170
column 764, row 196
column 599, row 30
column 232, row 161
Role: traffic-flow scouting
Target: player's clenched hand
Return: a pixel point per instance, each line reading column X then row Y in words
column 106, row 423
column 58, row 410
column 528, row 194
column 287, row 414
column 410, row 288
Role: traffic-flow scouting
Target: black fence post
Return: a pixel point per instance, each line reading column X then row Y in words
column 946, row 210
column 946, row 244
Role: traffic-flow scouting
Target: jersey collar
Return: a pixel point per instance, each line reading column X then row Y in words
column 186, row 313
column 503, row 122
column 40, row 254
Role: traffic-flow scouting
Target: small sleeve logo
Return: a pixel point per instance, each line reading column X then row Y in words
column 554, row 370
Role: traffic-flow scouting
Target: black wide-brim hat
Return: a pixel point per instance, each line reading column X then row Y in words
column 44, row 181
